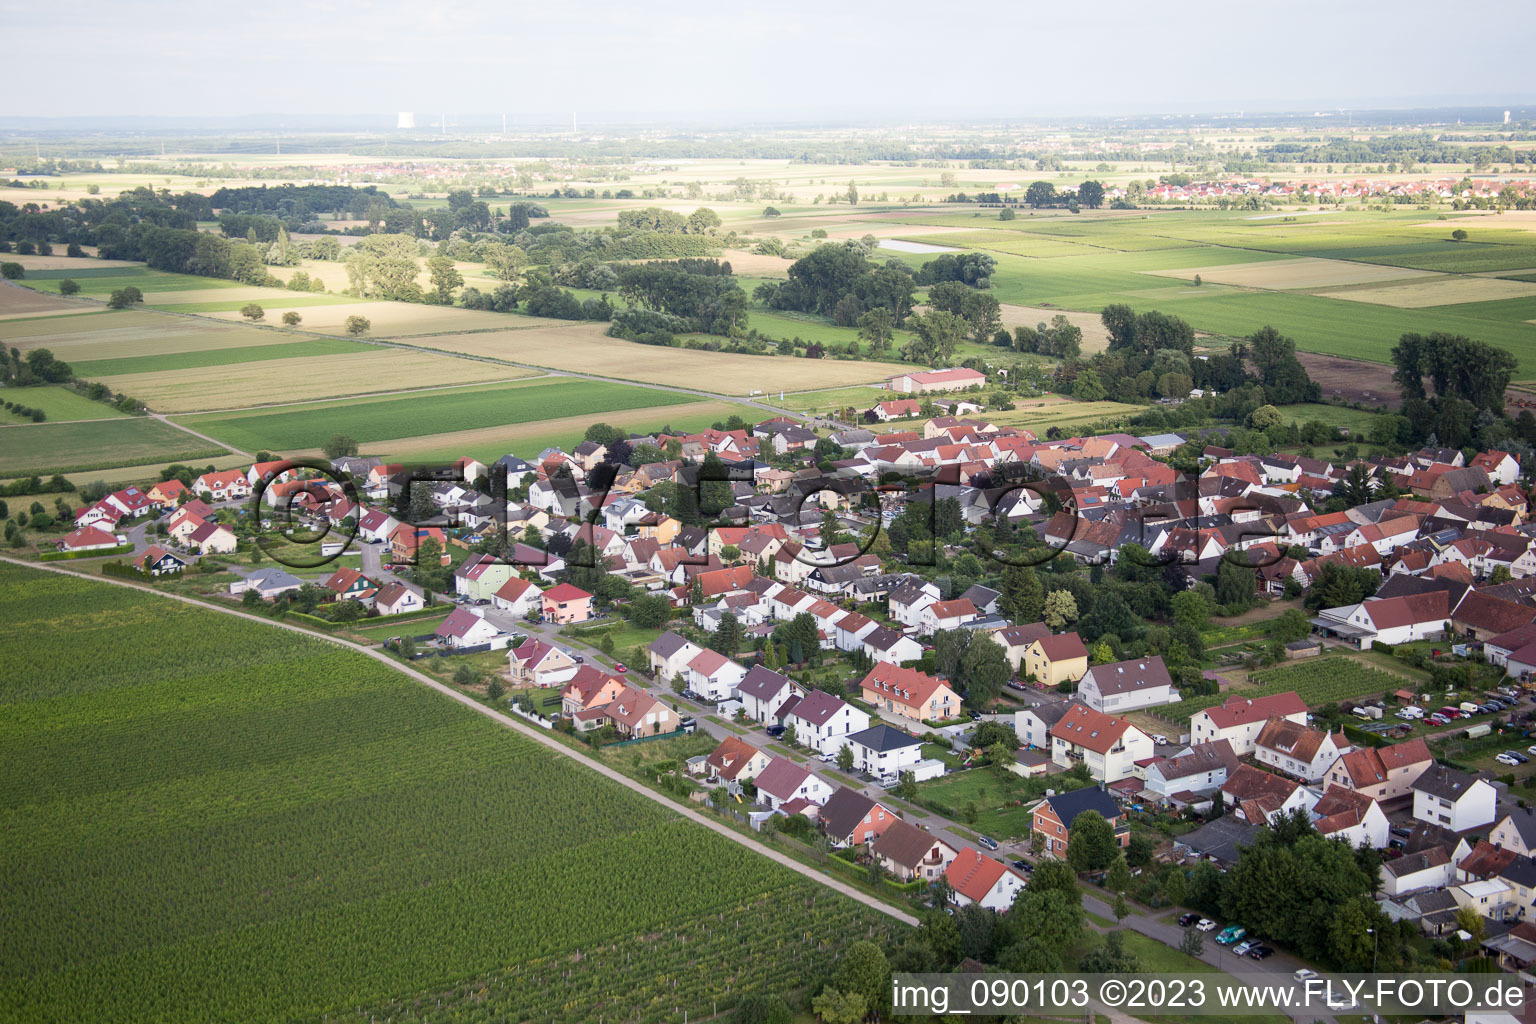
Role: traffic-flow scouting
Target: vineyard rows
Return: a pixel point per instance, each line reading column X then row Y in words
column 206, row 818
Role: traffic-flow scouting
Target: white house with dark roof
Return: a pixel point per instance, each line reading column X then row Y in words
column 1127, row 686
column 762, row 692
column 1200, row 771
column 669, row 655
column 824, row 722
column 1516, row 831
column 885, row 644
column 785, row 782
column 1453, row 800
column 1427, row 869
column 883, row 750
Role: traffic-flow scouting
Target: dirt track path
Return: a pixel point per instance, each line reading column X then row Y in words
column 514, row 724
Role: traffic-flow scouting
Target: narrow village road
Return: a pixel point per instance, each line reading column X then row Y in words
column 523, row 728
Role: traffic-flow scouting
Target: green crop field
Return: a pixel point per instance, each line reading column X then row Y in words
column 60, row 404
column 278, row 299
column 100, row 285
column 92, row 368
column 255, row 825
column 308, row 426
column 73, row 447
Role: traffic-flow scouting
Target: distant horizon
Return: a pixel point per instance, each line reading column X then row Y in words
column 1438, row 110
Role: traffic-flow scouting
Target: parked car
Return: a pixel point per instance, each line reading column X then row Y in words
column 1023, row 865
column 1242, row 947
column 1531, row 749
column 1160, row 740
column 1188, row 919
column 1438, row 719
column 1205, row 924
column 1260, row 953
column 987, row 841
column 687, row 724
column 1507, row 760
column 617, row 667
column 1403, row 831
column 1518, row 756
column 1230, row 934
column 775, row 730
column 1304, row 975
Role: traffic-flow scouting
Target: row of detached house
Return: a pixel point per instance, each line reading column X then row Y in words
column 850, row 819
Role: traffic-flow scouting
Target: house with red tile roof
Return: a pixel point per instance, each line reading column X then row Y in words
column 536, row 663
column 909, row 693
column 397, row 599
column 945, row 615
column 975, row 878
column 87, row 538
column 589, row 688
column 1351, row 816
column 463, row 628
column 1382, row 773
column 1298, row 750
column 1108, row 746
column 565, row 603
column 714, row 676
column 735, row 760
column 1054, row 659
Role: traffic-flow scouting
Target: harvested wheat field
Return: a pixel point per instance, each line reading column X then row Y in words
column 1443, row 291
column 305, row 378
column 126, row 333
column 528, row 439
column 386, row 319
column 754, row 264
column 1303, row 272
column 24, row 302
column 1095, row 337
column 585, row 348
column 35, row 262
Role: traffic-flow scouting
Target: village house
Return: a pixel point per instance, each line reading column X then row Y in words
column 397, row 599
column 1428, row 869
column 1516, row 831
column 884, row 751
column 1033, row 724
column 158, row 561
column 909, row 853
column 735, row 761
column 634, row 714
column 589, row 688
column 1298, row 750
column 1190, row 777
column 1108, row 746
column 974, row 878
column 824, row 722
column 1351, row 816
column 478, row 577
column 516, row 596
column 1053, row 818
column 1381, row 773
column 1015, row 640
column 713, row 676
column 463, row 628
column 269, row 583
column 565, row 604
column 87, row 538
column 536, row 663
column 849, row 818
column 1453, row 799
column 1127, row 685
column 669, row 655
column 909, row 693
column 1238, row 719
column 783, row 785
column 762, row 692
column 1259, row 797
column 1055, row 659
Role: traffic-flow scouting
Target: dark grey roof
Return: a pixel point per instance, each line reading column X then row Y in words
column 843, row 811
column 1524, row 821
column 1520, row 871
column 1068, row 806
column 761, row 683
column 1445, row 783
column 1220, row 839
column 666, row 645
column 884, row 737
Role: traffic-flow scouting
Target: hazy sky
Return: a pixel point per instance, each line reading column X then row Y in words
column 787, row 57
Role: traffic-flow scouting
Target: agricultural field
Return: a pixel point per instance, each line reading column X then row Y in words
column 301, row 379
column 91, row 369
column 131, row 333
column 424, row 413
column 831, row 400
column 266, row 827
column 60, row 404
column 1322, row 680
column 387, row 319
column 18, row 303
column 47, row 448
column 586, row 348
column 1039, row 415
column 527, row 440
